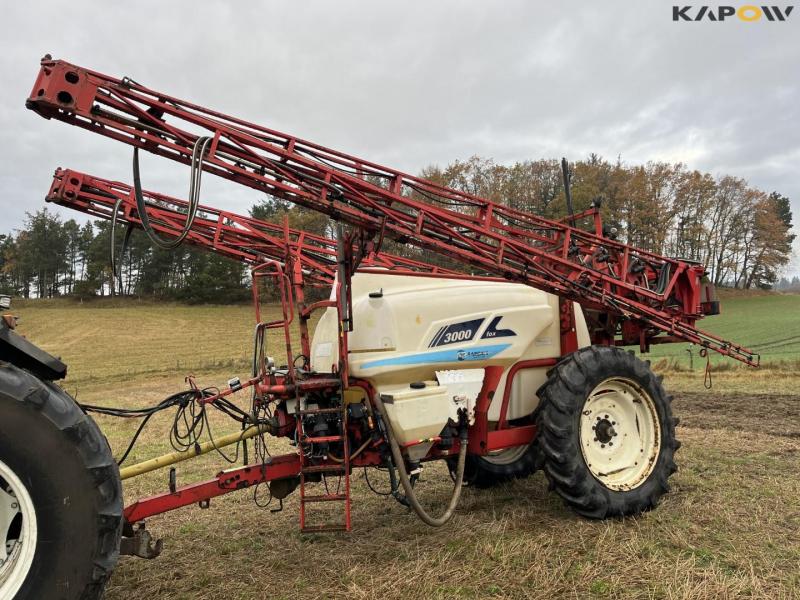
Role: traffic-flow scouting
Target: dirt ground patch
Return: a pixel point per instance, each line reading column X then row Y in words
column 766, row 413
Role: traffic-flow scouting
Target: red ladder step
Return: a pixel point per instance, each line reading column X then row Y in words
column 323, row 469
column 325, row 498
column 322, row 439
column 323, row 528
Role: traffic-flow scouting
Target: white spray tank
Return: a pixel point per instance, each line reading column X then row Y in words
column 442, row 332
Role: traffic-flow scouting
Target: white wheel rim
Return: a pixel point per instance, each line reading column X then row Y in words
column 620, row 434
column 507, row 456
column 17, row 532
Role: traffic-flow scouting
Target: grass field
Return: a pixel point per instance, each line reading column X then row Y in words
column 729, row 529
column 115, row 341
column 765, row 322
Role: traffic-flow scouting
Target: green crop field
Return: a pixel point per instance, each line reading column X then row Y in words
column 111, row 341
column 765, row 322
column 730, row 528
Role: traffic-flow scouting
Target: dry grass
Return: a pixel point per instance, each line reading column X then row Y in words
column 113, row 341
column 729, row 529
column 764, row 380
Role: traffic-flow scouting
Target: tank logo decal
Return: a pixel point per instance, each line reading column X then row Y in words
column 441, row 356
column 456, row 332
column 493, row 332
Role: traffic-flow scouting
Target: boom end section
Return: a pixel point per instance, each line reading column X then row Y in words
column 66, row 185
column 61, row 87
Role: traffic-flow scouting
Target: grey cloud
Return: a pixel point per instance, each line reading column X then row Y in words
column 414, row 83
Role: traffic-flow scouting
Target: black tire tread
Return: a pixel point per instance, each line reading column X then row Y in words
column 54, row 404
column 481, row 473
column 563, row 396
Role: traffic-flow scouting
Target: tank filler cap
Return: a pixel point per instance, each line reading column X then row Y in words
column 418, row 385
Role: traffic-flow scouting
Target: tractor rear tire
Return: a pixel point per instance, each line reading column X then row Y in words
column 607, row 433
column 513, row 463
column 62, row 480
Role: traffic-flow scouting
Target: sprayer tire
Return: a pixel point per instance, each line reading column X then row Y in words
column 486, row 472
column 585, row 393
column 63, row 462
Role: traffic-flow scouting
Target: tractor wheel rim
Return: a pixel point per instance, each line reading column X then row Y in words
column 18, row 532
column 620, row 434
column 507, row 456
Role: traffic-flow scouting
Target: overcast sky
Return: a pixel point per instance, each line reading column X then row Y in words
column 410, row 84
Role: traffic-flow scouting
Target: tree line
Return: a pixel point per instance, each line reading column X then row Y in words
column 49, row 257
column 788, row 285
column 741, row 234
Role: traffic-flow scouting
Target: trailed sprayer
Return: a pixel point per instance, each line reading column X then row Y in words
column 504, row 361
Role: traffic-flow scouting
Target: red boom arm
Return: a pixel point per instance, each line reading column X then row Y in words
column 640, row 294
column 242, row 238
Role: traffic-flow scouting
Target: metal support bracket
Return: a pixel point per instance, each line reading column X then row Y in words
column 140, row 544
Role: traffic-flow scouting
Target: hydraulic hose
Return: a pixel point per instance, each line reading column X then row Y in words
column 116, row 273
column 199, row 150
column 406, row 481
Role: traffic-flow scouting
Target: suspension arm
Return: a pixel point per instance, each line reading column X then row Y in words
column 644, row 294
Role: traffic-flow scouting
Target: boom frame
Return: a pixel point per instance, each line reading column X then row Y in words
column 640, row 294
column 242, row 238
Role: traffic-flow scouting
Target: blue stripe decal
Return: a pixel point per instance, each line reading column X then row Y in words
column 441, row 356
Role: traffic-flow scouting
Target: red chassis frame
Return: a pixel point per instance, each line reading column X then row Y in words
column 481, row 441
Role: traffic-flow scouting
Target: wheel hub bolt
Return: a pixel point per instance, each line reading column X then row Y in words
column 604, row 431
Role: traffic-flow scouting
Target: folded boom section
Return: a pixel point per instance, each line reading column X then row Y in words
column 632, row 295
column 246, row 239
